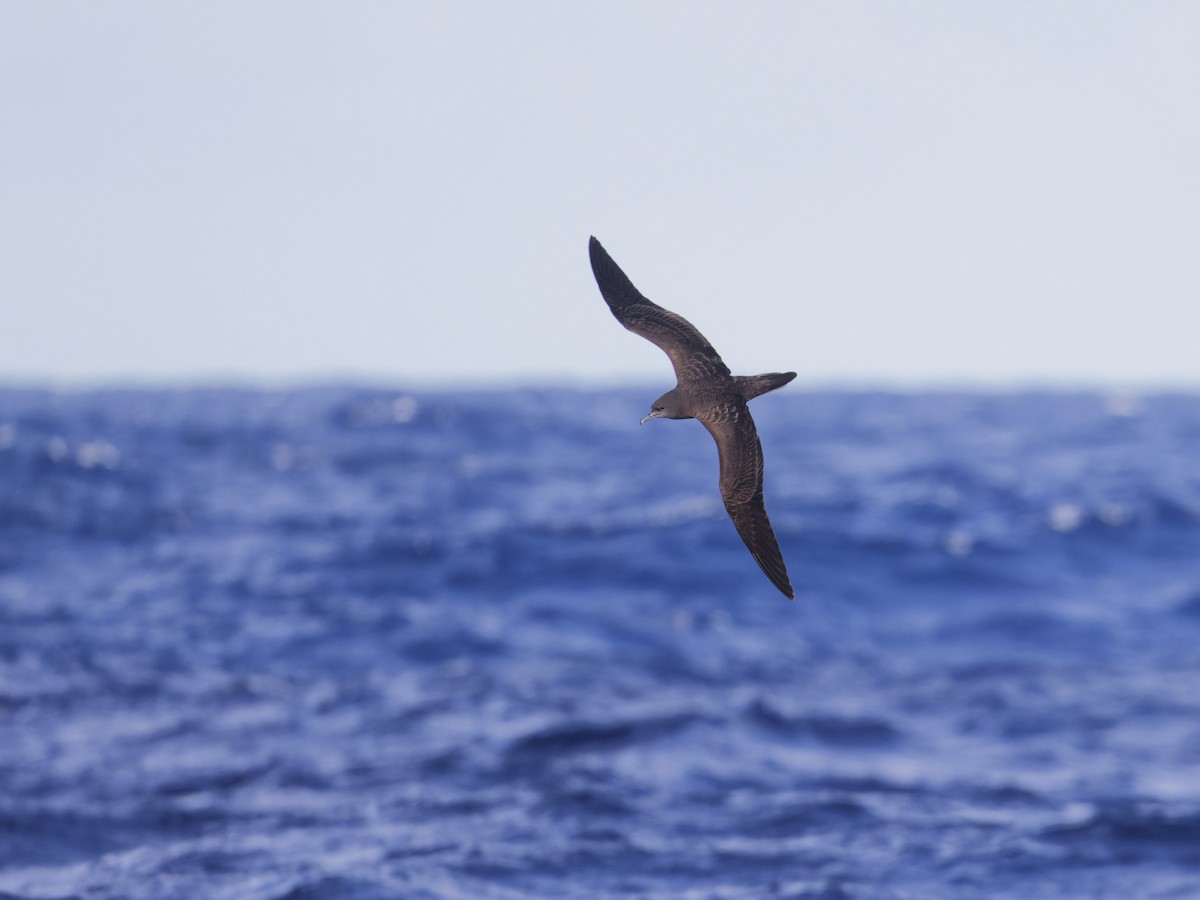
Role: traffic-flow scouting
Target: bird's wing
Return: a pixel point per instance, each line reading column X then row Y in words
column 690, row 352
column 742, row 486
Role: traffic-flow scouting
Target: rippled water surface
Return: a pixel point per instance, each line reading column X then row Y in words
column 368, row 644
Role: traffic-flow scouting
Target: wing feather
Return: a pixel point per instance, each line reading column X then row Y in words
column 741, row 458
column 689, row 351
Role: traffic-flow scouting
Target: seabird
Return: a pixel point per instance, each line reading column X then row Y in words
column 705, row 390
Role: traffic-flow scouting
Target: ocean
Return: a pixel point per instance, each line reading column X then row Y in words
column 359, row 643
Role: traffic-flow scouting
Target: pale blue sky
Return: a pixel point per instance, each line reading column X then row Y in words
column 899, row 193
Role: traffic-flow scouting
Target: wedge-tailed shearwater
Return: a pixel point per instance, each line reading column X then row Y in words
column 705, row 390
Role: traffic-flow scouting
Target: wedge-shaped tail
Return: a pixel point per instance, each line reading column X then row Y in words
column 751, row 386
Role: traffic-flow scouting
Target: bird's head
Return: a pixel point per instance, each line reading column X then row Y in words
column 668, row 406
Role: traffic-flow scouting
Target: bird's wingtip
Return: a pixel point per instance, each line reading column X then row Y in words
column 599, row 256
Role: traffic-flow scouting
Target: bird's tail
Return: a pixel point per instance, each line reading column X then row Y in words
column 752, row 386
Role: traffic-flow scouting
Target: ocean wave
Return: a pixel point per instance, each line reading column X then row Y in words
column 369, row 643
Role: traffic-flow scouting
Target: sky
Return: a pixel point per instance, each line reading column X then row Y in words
column 867, row 193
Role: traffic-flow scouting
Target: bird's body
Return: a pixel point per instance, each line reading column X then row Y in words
column 706, row 390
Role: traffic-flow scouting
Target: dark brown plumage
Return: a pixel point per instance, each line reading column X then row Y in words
column 706, row 390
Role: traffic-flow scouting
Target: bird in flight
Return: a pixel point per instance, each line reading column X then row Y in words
column 705, row 390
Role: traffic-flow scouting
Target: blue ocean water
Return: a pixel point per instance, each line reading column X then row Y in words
column 348, row 643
